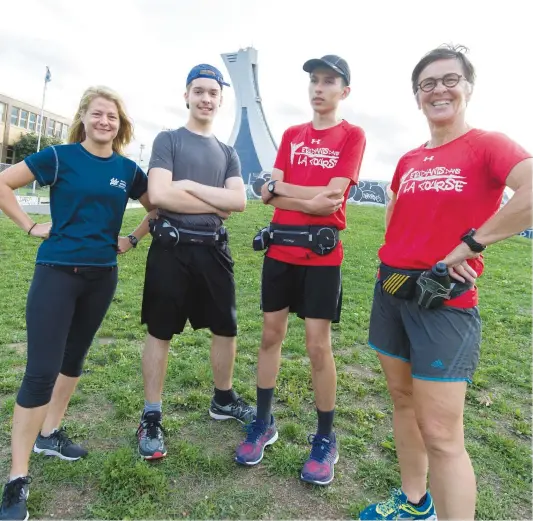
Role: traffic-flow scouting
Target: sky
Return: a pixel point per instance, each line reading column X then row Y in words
column 144, row 49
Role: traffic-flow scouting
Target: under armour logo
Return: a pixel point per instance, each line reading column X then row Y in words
column 317, row 141
column 428, row 158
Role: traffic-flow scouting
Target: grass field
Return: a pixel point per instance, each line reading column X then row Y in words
column 198, row 479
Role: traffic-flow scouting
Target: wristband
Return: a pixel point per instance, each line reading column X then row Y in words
column 29, row 231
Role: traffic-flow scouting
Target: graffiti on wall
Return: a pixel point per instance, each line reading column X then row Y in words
column 366, row 192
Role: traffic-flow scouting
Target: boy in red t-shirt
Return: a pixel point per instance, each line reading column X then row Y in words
column 316, row 165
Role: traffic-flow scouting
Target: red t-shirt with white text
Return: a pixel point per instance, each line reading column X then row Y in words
column 311, row 157
column 441, row 193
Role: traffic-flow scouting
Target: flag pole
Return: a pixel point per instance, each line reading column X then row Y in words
column 47, row 78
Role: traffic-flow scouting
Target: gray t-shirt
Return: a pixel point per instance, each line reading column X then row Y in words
column 199, row 158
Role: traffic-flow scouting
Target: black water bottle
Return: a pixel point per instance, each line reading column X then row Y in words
column 441, row 275
column 433, row 286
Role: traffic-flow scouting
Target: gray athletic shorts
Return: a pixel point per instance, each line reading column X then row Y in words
column 440, row 344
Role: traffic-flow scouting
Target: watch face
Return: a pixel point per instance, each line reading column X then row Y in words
column 271, row 186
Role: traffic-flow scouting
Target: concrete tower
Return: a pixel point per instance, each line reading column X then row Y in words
column 251, row 136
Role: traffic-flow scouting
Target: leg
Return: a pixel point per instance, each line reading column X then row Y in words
column 223, row 351
column 445, row 351
column 323, row 372
column 439, row 410
column 91, row 308
column 262, row 431
column 410, row 447
column 165, row 287
column 320, row 306
column 154, row 367
column 63, row 390
column 51, row 300
column 388, row 336
column 278, row 289
column 213, row 305
column 269, row 358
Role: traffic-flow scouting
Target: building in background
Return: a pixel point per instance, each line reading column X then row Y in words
column 17, row 117
column 251, row 135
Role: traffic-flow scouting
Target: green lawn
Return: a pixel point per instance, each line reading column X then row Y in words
column 198, row 479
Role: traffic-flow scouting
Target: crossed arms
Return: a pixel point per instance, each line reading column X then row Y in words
column 190, row 197
column 314, row 200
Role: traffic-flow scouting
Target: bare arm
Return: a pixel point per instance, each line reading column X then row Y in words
column 390, row 209
column 308, row 192
column 513, row 218
column 143, row 227
column 325, row 202
column 14, row 177
column 231, row 198
column 164, row 194
column 516, row 215
column 123, row 243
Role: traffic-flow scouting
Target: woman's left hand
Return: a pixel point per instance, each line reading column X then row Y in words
column 123, row 245
column 458, row 267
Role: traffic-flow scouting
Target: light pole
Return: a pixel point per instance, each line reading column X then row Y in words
column 141, row 147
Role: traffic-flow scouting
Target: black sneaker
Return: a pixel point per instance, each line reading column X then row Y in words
column 14, row 499
column 60, row 445
column 150, row 436
column 238, row 410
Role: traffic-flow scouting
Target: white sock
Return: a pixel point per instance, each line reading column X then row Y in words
column 13, row 478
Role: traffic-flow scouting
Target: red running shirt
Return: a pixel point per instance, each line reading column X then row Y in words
column 443, row 192
column 310, row 157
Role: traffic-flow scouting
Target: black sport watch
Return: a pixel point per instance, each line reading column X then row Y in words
column 133, row 240
column 271, row 186
column 471, row 242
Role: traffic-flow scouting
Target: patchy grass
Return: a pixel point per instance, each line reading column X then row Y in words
column 198, row 479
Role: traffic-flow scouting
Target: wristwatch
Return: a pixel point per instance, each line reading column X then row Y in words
column 271, row 186
column 471, row 242
column 133, row 240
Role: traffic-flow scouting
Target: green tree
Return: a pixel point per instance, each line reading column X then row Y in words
column 27, row 144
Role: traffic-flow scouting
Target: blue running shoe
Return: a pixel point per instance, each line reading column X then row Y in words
column 318, row 469
column 259, row 435
column 397, row 507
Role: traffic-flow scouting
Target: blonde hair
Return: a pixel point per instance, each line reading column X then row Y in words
column 76, row 132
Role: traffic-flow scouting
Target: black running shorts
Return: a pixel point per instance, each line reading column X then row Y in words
column 189, row 282
column 308, row 291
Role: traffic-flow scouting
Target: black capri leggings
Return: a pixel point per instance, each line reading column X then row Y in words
column 63, row 313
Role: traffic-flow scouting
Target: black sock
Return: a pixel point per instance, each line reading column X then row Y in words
column 325, row 422
column 421, row 502
column 264, row 404
column 225, row 397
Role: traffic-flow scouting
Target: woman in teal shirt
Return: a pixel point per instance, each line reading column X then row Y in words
column 75, row 274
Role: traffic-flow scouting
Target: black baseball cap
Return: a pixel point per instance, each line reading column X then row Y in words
column 331, row 61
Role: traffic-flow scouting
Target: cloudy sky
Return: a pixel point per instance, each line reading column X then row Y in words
column 145, row 48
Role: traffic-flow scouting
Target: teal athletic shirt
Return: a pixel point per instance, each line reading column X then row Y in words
column 88, row 197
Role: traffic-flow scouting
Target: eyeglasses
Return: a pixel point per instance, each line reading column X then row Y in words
column 448, row 80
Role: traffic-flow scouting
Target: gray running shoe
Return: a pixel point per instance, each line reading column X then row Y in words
column 60, row 445
column 150, row 435
column 238, row 410
column 14, row 499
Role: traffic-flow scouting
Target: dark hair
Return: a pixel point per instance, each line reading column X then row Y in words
column 445, row 52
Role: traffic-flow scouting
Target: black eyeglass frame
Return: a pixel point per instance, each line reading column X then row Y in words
column 433, row 82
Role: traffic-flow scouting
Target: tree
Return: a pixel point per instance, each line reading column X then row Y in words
column 27, row 144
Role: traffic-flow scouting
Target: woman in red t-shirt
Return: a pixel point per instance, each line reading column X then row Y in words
column 446, row 196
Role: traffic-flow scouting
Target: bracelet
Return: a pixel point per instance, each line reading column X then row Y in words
column 29, row 231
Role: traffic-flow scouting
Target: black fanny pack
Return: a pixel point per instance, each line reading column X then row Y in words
column 430, row 291
column 169, row 235
column 319, row 239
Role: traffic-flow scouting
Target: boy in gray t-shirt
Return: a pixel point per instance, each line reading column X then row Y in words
column 195, row 181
